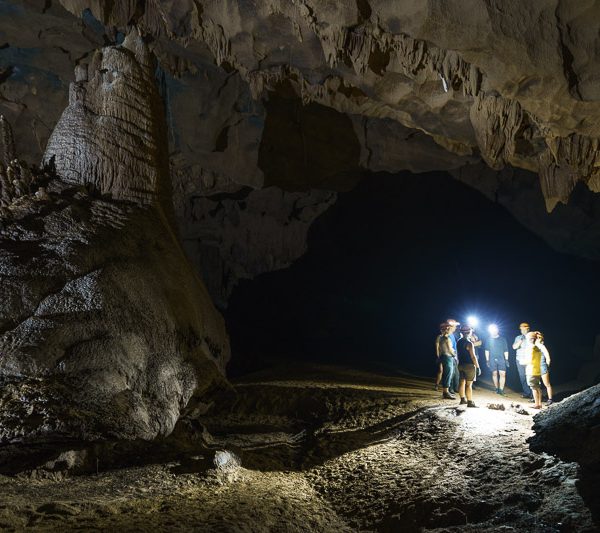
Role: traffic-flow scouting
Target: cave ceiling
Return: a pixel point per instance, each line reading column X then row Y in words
column 306, row 95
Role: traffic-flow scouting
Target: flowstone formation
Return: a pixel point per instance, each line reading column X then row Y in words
column 107, row 333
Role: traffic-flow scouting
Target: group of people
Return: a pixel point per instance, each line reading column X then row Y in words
column 458, row 361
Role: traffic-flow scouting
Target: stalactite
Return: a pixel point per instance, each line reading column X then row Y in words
column 7, row 143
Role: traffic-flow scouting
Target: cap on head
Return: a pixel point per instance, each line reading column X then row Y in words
column 524, row 325
column 444, row 325
column 466, row 329
column 451, row 322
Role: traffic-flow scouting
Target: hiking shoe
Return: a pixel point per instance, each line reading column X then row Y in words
column 463, row 401
column 448, row 396
column 501, row 392
column 497, row 391
column 471, row 403
column 549, row 402
column 437, row 387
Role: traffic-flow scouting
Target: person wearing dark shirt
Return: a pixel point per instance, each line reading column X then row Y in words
column 477, row 343
column 467, row 366
column 496, row 357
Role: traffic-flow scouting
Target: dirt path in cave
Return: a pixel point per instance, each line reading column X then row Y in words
column 331, row 450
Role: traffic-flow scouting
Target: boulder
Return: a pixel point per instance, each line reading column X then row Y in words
column 571, row 430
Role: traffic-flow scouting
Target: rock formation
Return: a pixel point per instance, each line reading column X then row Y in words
column 106, row 330
column 570, row 431
column 7, row 142
column 239, row 236
column 430, row 86
column 112, row 136
column 525, row 103
column 449, row 85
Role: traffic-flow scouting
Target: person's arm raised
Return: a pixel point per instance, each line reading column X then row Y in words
column 518, row 341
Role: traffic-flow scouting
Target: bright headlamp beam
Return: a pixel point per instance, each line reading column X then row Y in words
column 493, row 329
column 472, row 321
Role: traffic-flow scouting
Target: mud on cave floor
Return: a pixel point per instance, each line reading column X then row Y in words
column 331, row 450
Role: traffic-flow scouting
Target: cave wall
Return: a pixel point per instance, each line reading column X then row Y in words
column 503, row 94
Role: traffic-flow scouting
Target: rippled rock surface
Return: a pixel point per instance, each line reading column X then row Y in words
column 107, row 333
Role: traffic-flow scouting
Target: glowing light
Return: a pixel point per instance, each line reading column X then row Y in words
column 493, row 329
column 472, row 321
column 485, row 421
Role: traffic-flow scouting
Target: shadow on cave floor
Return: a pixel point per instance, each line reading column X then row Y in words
column 372, row 435
column 325, row 448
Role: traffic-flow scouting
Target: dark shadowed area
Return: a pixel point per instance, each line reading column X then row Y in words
column 396, row 256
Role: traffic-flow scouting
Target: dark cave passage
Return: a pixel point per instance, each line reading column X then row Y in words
column 396, row 256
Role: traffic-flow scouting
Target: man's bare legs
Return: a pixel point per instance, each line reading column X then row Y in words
column 495, row 378
column 469, row 390
column 502, row 379
column 465, row 389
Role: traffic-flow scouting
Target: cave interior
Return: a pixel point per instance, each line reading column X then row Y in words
column 231, row 232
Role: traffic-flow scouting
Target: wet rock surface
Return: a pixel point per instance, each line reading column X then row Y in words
column 385, row 454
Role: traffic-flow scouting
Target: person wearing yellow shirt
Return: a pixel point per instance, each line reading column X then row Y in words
column 536, row 351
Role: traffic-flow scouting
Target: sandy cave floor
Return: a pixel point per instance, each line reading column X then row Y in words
column 331, row 450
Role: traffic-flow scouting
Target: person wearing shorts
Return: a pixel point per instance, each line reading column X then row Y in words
column 477, row 343
column 496, row 356
column 534, row 367
column 545, row 364
column 468, row 366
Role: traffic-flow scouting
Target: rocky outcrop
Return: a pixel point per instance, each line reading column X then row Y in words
column 440, row 57
column 239, row 236
column 570, row 430
column 106, row 330
column 428, row 86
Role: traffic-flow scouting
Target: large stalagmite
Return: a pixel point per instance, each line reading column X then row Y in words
column 106, row 330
